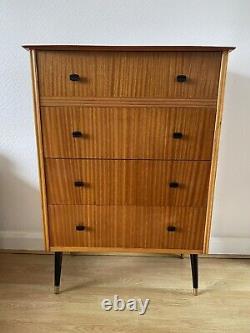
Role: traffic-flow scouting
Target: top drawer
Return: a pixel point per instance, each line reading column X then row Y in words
column 129, row 74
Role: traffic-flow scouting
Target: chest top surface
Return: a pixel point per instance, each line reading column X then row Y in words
column 126, row 48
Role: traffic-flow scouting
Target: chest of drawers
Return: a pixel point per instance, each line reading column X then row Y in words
column 127, row 146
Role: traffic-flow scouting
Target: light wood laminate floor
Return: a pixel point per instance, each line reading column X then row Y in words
column 27, row 302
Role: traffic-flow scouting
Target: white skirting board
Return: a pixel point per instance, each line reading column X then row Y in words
column 229, row 245
column 20, row 240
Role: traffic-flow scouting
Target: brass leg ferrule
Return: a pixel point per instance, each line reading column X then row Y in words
column 56, row 290
column 195, row 291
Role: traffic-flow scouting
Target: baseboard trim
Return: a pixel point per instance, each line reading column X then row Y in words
column 230, row 245
column 33, row 241
column 20, row 240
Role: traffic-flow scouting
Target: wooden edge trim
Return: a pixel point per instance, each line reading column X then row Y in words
column 217, row 131
column 120, row 249
column 39, row 141
column 127, row 48
column 145, row 102
column 42, row 252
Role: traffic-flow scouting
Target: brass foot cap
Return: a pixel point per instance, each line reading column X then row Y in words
column 195, row 291
column 56, row 290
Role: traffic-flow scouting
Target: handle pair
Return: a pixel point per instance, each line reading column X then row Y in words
column 179, row 78
column 81, row 227
column 79, row 183
column 79, row 134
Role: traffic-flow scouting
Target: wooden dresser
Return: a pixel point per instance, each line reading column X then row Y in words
column 127, row 146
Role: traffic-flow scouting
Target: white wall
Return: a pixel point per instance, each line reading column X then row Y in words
column 114, row 22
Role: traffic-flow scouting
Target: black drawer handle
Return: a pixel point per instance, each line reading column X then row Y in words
column 173, row 184
column 77, row 134
column 181, row 78
column 171, row 228
column 74, row 77
column 177, row 135
column 78, row 183
column 80, row 227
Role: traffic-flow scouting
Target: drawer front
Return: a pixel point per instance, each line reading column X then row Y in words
column 126, row 227
column 128, row 132
column 127, row 182
column 129, row 74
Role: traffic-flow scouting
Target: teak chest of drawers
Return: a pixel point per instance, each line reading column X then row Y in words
column 127, row 145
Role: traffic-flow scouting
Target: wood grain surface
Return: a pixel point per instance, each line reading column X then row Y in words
column 128, row 132
column 40, row 148
column 129, row 74
column 127, row 227
column 127, row 182
column 127, row 104
column 215, row 152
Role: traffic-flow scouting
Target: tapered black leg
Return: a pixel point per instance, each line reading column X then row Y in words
column 194, row 266
column 58, row 268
